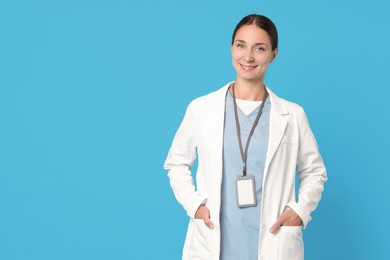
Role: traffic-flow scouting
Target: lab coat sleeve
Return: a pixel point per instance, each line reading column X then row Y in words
column 180, row 159
column 311, row 171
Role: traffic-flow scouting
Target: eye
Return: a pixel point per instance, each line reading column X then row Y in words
column 239, row 45
column 260, row 49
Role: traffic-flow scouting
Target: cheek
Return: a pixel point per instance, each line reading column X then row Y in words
column 235, row 56
column 270, row 57
column 265, row 59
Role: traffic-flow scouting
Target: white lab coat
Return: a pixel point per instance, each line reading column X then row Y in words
column 292, row 149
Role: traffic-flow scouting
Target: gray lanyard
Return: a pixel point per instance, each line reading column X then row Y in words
column 244, row 155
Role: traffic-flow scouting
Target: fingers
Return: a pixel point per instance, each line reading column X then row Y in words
column 279, row 222
column 287, row 218
column 209, row 224
column 206, row 218
column 204, row 213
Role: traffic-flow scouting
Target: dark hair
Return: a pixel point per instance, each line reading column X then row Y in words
column 262, row 22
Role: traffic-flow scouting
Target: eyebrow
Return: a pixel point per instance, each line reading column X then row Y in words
column 256, row 44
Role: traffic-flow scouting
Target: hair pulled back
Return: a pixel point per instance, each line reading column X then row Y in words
column 262, row 22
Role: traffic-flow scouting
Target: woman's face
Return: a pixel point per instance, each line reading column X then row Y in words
column 252, row 52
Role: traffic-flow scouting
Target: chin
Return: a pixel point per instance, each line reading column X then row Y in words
column 249, row 77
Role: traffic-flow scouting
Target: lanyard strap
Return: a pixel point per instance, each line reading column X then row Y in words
column 244, row 155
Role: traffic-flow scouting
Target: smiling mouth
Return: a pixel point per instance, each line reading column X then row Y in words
column 248, row 67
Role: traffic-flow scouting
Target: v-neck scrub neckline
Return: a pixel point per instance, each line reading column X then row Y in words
column 248, row 106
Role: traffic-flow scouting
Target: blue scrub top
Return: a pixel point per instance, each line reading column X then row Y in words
column 240, row 226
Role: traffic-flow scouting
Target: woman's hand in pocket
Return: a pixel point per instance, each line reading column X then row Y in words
column 204, row 213
column 287, row 218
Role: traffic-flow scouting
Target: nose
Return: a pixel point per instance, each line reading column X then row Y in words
column 249, row 56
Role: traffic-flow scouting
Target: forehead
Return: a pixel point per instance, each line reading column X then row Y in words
column 252, row 34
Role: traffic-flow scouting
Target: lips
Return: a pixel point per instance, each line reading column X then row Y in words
column 248, row 67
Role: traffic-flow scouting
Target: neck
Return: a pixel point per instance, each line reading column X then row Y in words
column 249, row 90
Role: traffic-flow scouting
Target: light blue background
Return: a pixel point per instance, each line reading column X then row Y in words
column 92, row 92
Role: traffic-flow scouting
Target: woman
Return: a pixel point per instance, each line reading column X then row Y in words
column 250, row 145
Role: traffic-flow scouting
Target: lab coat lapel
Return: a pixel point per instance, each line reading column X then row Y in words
column 219, row 129
column 217, row 114
column 278, row 124
column 218, row 106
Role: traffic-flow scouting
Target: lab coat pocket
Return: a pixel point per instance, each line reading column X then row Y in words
column 201, row 245
column 290, row 243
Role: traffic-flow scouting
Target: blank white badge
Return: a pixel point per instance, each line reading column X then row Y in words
column 246, row 191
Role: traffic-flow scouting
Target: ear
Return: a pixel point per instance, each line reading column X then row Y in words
column 274, row 54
